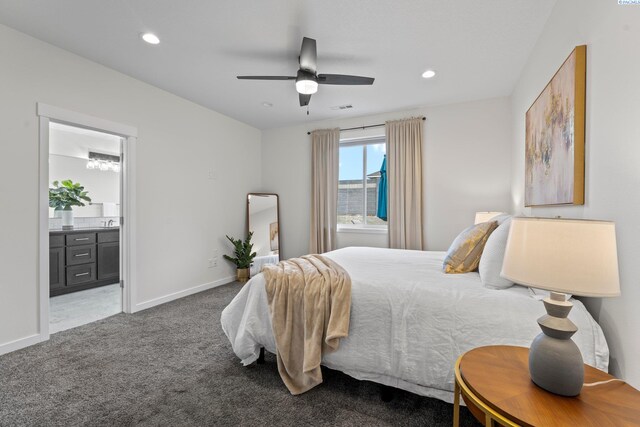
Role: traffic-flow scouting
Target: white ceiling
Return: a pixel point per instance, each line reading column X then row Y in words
column 477, row 47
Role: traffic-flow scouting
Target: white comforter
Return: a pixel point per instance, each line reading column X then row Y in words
column 410, row 321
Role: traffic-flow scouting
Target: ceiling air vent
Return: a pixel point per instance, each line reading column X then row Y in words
column 342, row 107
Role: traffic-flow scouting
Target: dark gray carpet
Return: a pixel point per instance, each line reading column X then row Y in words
column 172, row 366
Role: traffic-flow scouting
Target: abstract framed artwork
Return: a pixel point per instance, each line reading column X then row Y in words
column 554, row 137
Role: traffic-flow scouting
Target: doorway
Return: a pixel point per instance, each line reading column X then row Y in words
column 86, row 177
column 84, row 223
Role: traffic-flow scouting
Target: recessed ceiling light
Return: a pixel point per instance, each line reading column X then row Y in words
column 428, row 74
column 267, row 104
column 150, row 38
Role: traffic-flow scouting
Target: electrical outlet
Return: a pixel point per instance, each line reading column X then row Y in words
column 212, row 263
column 215, row 261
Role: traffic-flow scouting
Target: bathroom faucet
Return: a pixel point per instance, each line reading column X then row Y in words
column 110, row 224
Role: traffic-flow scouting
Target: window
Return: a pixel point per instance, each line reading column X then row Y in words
column 358, row 181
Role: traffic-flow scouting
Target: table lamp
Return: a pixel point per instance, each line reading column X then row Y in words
column 564, row 256
column 486, row 216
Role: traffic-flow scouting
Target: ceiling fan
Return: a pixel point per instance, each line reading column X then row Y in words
column 307, row 78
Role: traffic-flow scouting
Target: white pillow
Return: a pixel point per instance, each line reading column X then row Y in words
column 501, row 218
column 492, row 257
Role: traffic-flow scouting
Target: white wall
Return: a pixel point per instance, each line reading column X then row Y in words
column 466, row 168
column 371, row 239
column 182, row 215
column 612, row 36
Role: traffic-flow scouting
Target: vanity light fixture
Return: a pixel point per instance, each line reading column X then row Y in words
column 150, row 38
column 103, row 162
column 428, row 74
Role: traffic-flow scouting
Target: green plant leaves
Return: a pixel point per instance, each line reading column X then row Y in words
column 242, row 251
column 68, row 195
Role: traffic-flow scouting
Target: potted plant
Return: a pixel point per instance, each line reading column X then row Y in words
column 243, row 256
column 63, row 197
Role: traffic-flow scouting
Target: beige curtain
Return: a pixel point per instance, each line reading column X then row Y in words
column 325, row 146
column 404, row 174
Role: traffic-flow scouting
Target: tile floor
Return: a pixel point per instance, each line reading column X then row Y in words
column 79, row 308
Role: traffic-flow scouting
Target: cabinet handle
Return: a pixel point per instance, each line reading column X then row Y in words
column 87, row 254
column 81, row 238
column 82, row 274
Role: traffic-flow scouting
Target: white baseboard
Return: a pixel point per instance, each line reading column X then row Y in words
column 181, row 294
column 21, row 343
column 37, row 338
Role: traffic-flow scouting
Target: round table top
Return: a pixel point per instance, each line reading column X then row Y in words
column 499, row 377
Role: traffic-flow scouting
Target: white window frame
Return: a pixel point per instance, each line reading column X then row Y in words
column 363, row 228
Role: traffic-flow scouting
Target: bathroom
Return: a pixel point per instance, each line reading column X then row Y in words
column 84, row 226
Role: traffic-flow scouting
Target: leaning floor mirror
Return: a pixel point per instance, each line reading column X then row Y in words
column 263, row 221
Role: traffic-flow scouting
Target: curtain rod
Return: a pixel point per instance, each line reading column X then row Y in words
column 365, row 127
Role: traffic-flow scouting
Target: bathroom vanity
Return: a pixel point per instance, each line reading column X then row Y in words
column 83, row 258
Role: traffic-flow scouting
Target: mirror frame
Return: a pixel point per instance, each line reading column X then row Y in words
column 277, row 213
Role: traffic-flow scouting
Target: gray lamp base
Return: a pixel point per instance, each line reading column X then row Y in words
column 555, row 361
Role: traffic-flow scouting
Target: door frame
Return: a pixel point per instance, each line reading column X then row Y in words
column 48, row 113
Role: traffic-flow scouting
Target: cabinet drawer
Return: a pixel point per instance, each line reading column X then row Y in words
column 109, row 236
column 81, row 239
column 56, row 240
column 79, row 274
column 81, row 254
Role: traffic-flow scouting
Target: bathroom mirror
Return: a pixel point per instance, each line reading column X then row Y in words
column 263, row 221
column 92, row 159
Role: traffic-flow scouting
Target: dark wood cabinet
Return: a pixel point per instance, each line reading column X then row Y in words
column 108, row 260
column 83, row 259
column 56, row 268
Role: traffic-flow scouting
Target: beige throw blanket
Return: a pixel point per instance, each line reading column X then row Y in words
column 310, row 303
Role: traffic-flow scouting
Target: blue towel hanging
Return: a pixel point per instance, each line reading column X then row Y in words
column 382, row 191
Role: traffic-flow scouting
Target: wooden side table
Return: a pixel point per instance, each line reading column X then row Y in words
column 495, row 384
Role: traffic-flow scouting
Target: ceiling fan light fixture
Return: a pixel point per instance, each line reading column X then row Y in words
column 306, row 86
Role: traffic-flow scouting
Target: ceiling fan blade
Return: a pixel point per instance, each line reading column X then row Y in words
column 343, row 79
column 266, row 78
column 304, row 99
column 308, row 55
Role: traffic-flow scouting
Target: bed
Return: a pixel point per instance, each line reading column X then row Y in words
column 409, row 321
column 259, row 261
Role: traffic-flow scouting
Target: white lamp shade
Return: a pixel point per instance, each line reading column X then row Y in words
column 563, row 255
column 485, row 216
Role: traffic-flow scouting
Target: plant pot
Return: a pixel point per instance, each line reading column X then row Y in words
column 242, row 274
column 67, row 219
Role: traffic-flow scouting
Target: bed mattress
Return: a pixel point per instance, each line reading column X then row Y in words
column 410, row 321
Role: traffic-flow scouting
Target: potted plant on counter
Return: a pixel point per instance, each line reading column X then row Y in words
column 63, row 197
column 243, row 257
